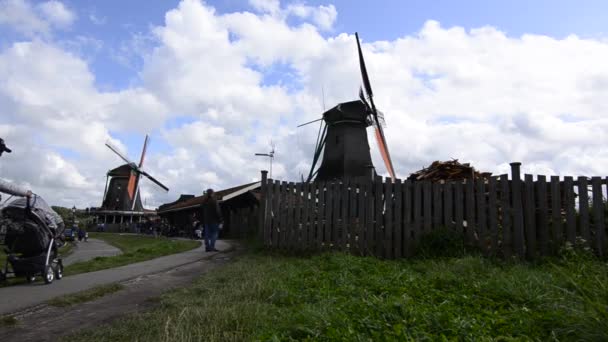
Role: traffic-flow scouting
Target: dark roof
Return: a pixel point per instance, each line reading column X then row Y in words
column 121, row 171
column 191, row 202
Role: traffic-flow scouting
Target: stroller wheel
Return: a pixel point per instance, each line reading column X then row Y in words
column 59, row 271
column 49, row 274
column 30, row 278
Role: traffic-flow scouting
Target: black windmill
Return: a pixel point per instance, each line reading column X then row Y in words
column 122, row 194
column 343, row 139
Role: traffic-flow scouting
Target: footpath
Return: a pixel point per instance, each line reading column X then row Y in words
column 14, row 299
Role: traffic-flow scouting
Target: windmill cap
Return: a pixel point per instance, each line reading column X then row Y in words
column 209, row 191
column 3, row 147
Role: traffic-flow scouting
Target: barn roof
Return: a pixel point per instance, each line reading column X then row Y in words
column 221, row 196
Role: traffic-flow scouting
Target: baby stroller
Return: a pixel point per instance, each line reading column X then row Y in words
column 32, row 234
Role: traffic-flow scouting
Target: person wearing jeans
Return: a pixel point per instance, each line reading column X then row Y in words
column 212, row 220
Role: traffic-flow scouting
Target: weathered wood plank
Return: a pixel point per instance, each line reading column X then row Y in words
column 361, row 217
column 305, row 232
column 398, row 219
column 268, row 207
column 505, row 206
column 284, row 207
column 315, row 227
column 388, row 219
column 289, row 222
column 322, row 206
column 336, row 215
column 470, row 212
column 570, row 204
column 369, row 218
column 427, row 201
column 598, row 215
column 493, row 216
column 378, row 216
column 458, row 207
column 353, row 245
column 529, row 217
column 583, row 208
column 407, row 219
column 518, row 212
column 275, row 213
column 556, row 213
column 437, row 208
column 448, row 204
column 417, row 205
column 542, row 217
column 344, row 229
column 482, row 230
column 297, row 227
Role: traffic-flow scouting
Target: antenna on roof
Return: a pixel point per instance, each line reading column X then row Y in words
column 269, row 155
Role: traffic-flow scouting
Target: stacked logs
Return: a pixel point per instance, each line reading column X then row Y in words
column 448, row 171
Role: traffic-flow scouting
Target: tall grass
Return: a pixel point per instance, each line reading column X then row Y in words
column 265, row 296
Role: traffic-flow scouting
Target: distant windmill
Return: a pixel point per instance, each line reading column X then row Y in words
column 270, row 155
column 123, row 191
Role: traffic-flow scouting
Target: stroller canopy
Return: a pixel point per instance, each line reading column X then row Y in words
column 39, row 205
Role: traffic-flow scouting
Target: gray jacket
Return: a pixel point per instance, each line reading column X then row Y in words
column 11, row 188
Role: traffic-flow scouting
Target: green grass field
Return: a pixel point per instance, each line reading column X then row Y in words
column 135, row 248
column 328, row 297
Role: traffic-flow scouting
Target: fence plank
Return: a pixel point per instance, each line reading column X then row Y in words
column 427, row 202
column 437, row 209
column 353, row 227
column 458, row 207
column 398, row 219
column 448, row 203
column 598, row 215
column 417, row 226
column 328, row 214
column 284, row 207
column 556, row 213
column 335, row 231
column 305, row 231
column 493, row 216
column 407, row 218
column 321, row 214
column 289, row 222
column 268, row 212
column 378, row 217
column 470, row 211
column 482, row 233
column 275, row 215
column 315, row 228
column 369, row 218
column 529, row 217
column 570, row 218
column 361, row 217
column 542, row 217
column 505, row 206
column 518, row 212
column 297, row 227
column 344, row 215
column 583, row 208
column 388, row 218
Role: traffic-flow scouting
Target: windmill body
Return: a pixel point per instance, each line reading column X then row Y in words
column 346, row 152
column 117, row 196
column 344, row 143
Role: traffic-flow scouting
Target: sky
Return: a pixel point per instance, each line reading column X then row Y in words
column 213, row 82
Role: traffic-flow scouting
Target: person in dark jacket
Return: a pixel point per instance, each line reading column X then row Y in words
column 212, row 219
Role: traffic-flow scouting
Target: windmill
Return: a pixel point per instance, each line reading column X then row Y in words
column 343, row 137
column 122, row 194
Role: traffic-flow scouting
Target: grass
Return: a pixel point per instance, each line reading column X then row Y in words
column 85, row 296
column 265, row 296
column 8, row 321
column 135, row 248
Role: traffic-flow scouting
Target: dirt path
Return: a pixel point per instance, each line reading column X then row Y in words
column 49, row 323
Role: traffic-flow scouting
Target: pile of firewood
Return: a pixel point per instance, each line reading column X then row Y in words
column 448, row 171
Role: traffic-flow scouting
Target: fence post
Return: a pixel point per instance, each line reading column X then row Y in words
column 518, row 217
column 263, row 206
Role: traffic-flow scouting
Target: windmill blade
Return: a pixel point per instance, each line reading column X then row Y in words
column 382, row 146
column 118, row 153
column 154, row 180
column 133, row 180
column 143, row 152
column 366, row 83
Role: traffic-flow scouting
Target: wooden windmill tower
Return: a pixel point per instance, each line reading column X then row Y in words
column 121, row 196
column 344, row 142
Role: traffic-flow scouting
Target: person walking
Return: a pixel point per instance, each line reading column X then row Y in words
column 212, row 220
column 7, row 187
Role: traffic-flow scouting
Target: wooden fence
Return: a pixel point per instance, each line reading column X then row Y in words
column 243, row 222
column 500, row 216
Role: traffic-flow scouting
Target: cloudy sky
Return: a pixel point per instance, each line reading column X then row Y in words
column 214, row 82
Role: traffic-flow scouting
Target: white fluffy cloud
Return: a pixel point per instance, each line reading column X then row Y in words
column 32, row 20
column 215, row 89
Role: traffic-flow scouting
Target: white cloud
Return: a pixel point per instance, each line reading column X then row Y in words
column 212, row 91
column 37, row 20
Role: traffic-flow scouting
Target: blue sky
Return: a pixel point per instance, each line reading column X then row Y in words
column 445, row 82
